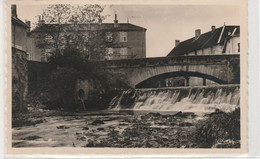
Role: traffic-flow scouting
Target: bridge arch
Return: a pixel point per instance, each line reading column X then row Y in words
column 218, row 68
column 153, row 81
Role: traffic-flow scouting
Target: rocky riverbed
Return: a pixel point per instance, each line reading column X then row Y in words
column 124, row 129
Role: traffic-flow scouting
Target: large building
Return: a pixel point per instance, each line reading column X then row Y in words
column 123, row 40
column 19, row 62
column 222, row 40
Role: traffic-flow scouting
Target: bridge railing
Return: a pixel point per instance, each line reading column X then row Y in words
column 167, row 61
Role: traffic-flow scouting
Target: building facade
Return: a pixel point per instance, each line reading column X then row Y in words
column 119, row 40
column 223, row 40
column 19, row 62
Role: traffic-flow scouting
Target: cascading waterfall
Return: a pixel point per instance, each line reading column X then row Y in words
column 189, row 99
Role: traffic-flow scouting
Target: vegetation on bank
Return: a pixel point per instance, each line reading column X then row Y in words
column 182, row 130
column 69, row 56
column 219, row 130
column 58, row 89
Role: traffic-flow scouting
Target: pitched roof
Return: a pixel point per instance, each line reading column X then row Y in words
column 103, row 26
column 205, row 40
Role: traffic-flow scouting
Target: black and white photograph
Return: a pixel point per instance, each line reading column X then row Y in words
column 101, row 75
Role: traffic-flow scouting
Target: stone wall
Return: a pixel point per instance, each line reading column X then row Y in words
column 37, row 73
column 19, row 80
column 86, row 86
column 96, row 93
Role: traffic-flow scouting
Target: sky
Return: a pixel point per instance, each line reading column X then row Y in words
column 164, row 23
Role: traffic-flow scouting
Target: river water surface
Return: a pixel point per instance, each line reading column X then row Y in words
column 132, row 120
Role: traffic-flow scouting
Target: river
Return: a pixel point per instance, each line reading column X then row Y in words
column 136, row 118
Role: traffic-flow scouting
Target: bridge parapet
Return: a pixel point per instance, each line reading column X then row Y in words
column 222, row 69
column 169, row 61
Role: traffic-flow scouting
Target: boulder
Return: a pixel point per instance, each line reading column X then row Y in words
column 97, row 122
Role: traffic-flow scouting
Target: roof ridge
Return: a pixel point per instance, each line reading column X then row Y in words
column 200, row 35
column 96, row 26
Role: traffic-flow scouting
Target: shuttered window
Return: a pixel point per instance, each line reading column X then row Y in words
column 110, row 51
column 109, row 37
column 123, row 51
column 123, row 36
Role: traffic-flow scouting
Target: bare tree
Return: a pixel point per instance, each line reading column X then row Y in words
column 60, row 27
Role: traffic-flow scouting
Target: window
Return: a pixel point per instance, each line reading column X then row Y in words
column 238, row 47
column 123, row 36
column 28, row 56
column 110, row 51
column 109, row 37
column 211, row 50
column 43, row 59
column 123, row 51
column 48, row 50
column 86, row 38
column 49, row 37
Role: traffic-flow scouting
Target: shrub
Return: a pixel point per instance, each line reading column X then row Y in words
column 217, row 128
column 60, row 88
column 71, row 58
column 58, row 91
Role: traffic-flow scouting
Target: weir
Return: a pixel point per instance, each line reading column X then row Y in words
column 188, row 99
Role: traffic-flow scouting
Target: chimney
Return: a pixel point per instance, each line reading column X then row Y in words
column 197, row 33
column 115, row 21
column 99, row 20
column 39, row 20
column 14, row 12
column 213, row 28
column 29, row 24
column 177, row 42
column 43, row 21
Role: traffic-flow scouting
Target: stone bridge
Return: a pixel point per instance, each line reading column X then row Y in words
column 222, row 69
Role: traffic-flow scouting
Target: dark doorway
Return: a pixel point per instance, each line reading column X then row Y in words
column 81, row 94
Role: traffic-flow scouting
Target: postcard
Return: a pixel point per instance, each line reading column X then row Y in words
column 126, row 77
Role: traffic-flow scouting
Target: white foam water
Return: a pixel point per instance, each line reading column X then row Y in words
column 188, row 99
